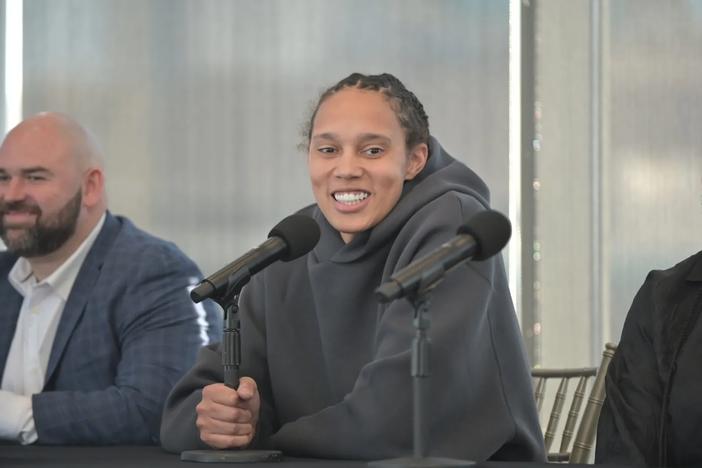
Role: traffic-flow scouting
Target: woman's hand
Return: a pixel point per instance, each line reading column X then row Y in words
column 226, row 417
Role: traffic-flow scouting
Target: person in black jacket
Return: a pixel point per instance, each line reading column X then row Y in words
column 653, row 411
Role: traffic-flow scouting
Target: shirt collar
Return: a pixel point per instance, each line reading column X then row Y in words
column 61, row 280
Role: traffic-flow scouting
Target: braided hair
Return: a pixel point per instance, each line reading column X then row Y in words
column 409, row 111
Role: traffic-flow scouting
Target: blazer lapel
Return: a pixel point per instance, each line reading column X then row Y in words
column 9, row 312
column 81, row 292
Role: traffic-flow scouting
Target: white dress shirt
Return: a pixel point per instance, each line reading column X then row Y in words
column 39, row 316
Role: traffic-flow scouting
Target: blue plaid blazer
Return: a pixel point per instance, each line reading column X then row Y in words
column 128, row 332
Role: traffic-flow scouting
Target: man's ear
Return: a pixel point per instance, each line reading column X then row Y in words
column 93, row 187
column 416, row 160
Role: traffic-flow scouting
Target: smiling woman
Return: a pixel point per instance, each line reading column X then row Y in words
column 328, row 368
column 358, row 159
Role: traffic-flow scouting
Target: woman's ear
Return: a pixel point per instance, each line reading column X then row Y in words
column 416, row 160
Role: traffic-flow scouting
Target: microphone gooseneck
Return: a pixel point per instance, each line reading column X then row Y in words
column 291, row 238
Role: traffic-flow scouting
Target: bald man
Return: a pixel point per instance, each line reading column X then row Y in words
column 96, row 321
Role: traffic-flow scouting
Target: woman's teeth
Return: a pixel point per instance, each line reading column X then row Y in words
column 350, row 198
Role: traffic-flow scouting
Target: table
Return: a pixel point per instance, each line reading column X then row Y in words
column 12, row 456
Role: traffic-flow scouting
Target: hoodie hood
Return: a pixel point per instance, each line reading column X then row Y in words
column 441, row 174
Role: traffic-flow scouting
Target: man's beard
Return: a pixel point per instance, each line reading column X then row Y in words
column 48, row 233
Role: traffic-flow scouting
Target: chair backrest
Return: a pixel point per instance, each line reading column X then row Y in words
column 584, row 439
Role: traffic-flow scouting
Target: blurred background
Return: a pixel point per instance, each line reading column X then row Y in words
column 583, row 117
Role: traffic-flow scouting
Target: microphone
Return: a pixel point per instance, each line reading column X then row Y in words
column 480, row 238
column 291, row 238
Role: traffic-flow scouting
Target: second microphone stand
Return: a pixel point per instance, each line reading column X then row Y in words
column 421, row 348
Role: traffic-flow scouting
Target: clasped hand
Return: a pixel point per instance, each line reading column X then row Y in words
column 226, row 417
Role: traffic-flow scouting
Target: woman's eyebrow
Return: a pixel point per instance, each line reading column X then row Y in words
column 373, row 136
column 325, row 136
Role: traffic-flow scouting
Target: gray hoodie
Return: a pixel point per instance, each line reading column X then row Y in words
column 333, row 365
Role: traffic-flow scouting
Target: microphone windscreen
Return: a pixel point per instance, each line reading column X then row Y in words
column 299, row 232
column 491, row 231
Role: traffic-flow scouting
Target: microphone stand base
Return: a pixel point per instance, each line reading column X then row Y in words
column 231, row 456
column 420, row 462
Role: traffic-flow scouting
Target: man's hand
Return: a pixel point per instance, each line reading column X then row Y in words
column 226, row 417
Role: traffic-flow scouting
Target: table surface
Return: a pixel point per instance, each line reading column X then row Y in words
column 153, row 457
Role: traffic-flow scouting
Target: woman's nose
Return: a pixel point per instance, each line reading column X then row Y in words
column 348, row 166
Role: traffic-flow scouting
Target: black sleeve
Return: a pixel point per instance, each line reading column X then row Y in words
column 629, row 421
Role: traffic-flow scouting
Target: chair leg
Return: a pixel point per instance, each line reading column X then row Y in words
column 588, row 426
